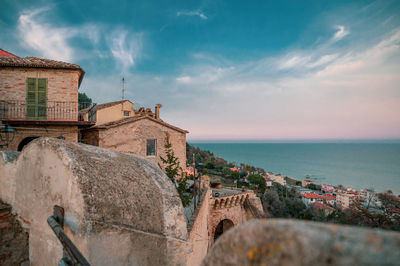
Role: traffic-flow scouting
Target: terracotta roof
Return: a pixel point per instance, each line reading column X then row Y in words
column 4, row 53
column 311, row 196
column 329, row 197
column 134, row 119
column 35, row 62
column 321, row 206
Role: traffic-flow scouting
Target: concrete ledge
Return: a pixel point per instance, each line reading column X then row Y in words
column 295, row 242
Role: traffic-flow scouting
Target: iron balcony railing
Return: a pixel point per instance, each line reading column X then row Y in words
column 49, row 110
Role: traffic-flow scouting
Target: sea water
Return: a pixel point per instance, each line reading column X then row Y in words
column 352, row 164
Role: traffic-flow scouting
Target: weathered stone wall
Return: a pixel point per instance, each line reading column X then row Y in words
column 14, row 248
column 70, row 133
column 119, row 209
column 199, row 233
column 62, row 84
column 90, row 137
column 294, row 242
column 131, row 138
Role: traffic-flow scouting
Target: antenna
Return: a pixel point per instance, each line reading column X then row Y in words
column 123, row 88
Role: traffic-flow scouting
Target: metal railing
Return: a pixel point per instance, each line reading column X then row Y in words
column 51, row 110
column 72, row 255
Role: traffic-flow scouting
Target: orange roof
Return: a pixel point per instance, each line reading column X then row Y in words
column 311, row 196
column 329, row 197
column 4, row 53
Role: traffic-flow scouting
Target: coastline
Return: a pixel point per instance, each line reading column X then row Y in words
column 358, row 165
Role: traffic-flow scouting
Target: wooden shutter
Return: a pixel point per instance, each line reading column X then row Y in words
column 42, row 99
column 36, row 98
column 31, row 98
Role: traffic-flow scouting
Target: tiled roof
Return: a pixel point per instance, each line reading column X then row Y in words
column 134, row 119
column 35, row 62
column 311, row 196
column 4, row 53
column 329, row 197
column 321, row 206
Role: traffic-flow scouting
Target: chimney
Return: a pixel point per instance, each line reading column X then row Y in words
column 158, row 106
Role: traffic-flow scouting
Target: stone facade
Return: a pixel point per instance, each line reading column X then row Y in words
column 130, row 136
column 62, row 84
column 61, row 113
column 26, row 133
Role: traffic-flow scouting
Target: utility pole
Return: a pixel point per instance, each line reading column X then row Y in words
column 123, row 88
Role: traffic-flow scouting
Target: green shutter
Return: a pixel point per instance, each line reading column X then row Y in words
column 42, row 99
column 30, row 98
column 36, row 98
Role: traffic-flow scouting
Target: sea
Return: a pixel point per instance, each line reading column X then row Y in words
column 358, row 165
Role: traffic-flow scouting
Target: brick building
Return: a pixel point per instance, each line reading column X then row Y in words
column 38, row 97
column 120, row 127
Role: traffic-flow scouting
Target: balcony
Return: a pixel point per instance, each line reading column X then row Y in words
column 49, row 111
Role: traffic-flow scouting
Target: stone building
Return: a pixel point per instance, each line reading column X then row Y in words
column 122, row 128
column 38, row 97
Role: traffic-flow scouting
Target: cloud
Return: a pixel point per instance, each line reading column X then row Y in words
column 48, row 40
column 340, row 33
column 192, row 13
column 125, row 47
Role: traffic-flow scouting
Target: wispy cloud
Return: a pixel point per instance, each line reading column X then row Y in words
column 125, row 47
column 340, row 33
column 192, row 13
column 50, row 41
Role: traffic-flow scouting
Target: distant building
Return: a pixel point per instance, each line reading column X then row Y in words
column 276, row 178
column 327, row 188
column 268, row 182
column 346, row 199
column 39, row 98
column 309, row 198
column 120, row 127
column 321, row 206
column 306, row 182
column 235, row 169
column 329, row 199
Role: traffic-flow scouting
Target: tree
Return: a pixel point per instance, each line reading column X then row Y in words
column 258, row 181
column 173, row 170
column 84, row 100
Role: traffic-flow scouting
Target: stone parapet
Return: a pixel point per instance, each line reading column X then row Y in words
column 294, row 242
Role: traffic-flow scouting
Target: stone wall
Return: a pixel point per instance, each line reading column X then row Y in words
column 131, row 138
column 198, row 232
column 119, row 209
column 70, row 133
column 62, row 84
column 14, row 248
column 295, row 242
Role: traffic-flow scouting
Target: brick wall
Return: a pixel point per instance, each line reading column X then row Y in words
column 62, row 84
column 132, row 138
column 14, row 249
column 70, row 133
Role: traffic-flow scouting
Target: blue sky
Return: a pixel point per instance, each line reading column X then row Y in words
column 229, row 69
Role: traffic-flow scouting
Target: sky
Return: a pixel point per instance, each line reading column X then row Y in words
column 229, row 70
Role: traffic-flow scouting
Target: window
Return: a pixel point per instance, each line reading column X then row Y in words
column 127, row 113
column 36, row 98
column 151, row 147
